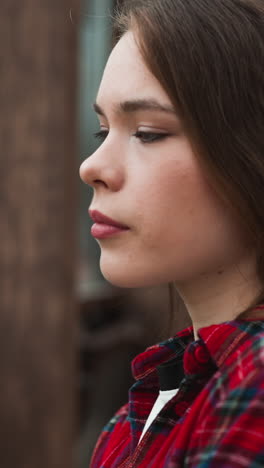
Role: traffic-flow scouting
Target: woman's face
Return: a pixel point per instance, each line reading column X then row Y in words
column 146, row 176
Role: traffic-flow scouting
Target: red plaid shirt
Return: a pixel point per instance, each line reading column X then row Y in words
column 216, row 420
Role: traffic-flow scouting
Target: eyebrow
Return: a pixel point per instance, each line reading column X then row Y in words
column 136, row 105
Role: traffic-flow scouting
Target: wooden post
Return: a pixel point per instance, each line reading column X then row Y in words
column 38, row 223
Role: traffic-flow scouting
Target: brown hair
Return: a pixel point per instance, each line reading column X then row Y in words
column 209, row 57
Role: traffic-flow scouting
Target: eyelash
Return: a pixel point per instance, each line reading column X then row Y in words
column 152, row 137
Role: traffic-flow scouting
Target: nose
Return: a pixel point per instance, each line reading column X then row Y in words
column 100, row 170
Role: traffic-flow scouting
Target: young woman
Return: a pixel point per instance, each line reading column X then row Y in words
column 179, row 198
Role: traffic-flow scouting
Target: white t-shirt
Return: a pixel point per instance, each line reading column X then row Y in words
column 163, row 398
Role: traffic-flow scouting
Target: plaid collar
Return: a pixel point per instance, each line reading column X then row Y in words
column 204, row 355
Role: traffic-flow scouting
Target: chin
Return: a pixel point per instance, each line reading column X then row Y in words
column 126, row 279
column 122, row 281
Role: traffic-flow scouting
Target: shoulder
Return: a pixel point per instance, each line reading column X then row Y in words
column 117, row 419
column 113, row 432
column 245, row 362
column 237, row 386
column 229, row 430
column 236, row 348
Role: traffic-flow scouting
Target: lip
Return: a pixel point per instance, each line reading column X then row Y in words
column 103, row 231
column 100, row 218
column 104, row 226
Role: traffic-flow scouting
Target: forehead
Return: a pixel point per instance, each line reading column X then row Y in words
column 127, row 77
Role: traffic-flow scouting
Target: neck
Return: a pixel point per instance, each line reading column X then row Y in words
column 222, row 296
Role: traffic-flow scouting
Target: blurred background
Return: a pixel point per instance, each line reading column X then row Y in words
column 67, row 337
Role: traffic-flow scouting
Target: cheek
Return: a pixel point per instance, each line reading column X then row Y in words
column 174, row 196
column 181, row 229
column 182, row 210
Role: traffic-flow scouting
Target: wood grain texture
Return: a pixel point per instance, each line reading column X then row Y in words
column 38, row 194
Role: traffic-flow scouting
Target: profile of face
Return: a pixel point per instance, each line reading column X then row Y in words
column 145, row 175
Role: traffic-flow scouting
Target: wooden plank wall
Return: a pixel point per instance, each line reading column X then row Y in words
column 38, row 224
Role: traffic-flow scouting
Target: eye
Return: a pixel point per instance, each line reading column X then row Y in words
column 101, row 135
column 144, row 137
column 150, row 137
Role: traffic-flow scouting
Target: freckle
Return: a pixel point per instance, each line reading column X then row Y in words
column 220, row 272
